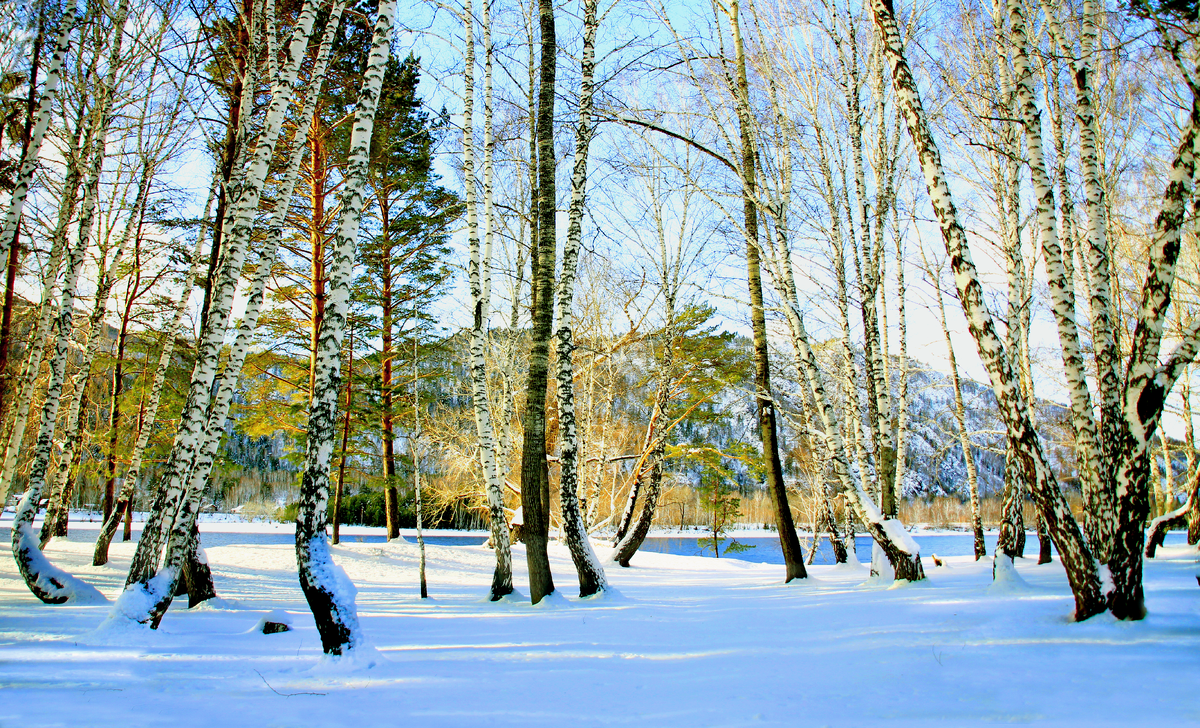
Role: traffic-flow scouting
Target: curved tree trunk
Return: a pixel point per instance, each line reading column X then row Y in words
column 1178, row 518
column 652, row 475
column 48, row 583
column 124, row 503
column 325, row 585
column 1081, row 567
column 169, row 514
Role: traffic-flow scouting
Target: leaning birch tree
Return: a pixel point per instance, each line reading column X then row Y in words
column 143, row 592
column 47, row 582
column 29, row 162
column 328, row 591
column 1081, row 567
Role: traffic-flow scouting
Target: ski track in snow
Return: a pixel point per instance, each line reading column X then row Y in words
column 683, row 641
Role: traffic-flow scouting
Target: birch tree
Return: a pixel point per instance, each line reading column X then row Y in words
column 1080, row 565
column 169, row 517
column 535, row 476
column 479, row 272
column 591, row 573
column 124, row 501
column 29, row 160
column 46, row 581
column 329, row 593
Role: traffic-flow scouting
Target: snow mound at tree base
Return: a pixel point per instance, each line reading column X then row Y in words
column 1005, row 579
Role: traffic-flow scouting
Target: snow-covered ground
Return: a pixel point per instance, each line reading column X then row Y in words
column 685, row 641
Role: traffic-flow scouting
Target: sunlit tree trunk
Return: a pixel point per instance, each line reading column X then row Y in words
column 149, row 415
column 1082, row 572
column 591, row 573
column 793, row 555
column 323, row 582
column 20, row 192
column 168, row 517
column 478, row 271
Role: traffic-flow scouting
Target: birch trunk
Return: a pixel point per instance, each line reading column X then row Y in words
column 478, row 274
column 591, row 573
column 964, row 435
column 1100, row 508
column 47, row 582
column 901, row 416
column 20, row 192
column 329, row 592
column 1081, row 567
column 182, row 543
column 1060, row 282
column 1147, row 382
column 1177, row 518
column 172, row 492
column 57, row 508
column 124, row 501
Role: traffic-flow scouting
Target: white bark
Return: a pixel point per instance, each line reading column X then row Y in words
column 591, row 573
column 1061, row 286
column 95, row 332
column 328, row 591
column 24, row 543
column 236, row 235
column 478, row 269
column 1100, row 511
column 16, row 202
column 134, row 472
column 1082, row 570
column 181, row 537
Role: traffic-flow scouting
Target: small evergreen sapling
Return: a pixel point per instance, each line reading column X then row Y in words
column 722, row 505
